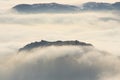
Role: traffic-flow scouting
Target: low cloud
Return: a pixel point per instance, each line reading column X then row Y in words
column 110, row 19
column 61, row 63
column 98, row 28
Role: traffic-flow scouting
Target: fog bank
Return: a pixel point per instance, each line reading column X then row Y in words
column 61, row 63
column 99, row 28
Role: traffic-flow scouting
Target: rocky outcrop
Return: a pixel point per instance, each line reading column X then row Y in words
column 44, row 43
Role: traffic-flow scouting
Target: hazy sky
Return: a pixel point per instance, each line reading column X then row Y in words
column 8, row 3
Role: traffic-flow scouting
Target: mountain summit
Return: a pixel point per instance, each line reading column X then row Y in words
column 65, row 8
column 44, row 43
column 45, row 7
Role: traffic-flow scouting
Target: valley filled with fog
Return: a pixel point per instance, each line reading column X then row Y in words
column 99, row 28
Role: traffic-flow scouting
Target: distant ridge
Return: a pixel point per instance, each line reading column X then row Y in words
column 65, row 8
column 45, row 7
column 44, row 43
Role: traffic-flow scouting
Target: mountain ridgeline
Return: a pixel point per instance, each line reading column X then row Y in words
column 65, row 8
column 44, row 43
column 45, row 8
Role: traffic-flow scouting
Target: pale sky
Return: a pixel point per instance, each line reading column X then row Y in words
column 9, row 3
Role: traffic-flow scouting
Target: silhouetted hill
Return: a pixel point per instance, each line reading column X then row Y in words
column 65, row 8
column 45, row 7
column 97, row 6
column 116, row 5
column 44, row 43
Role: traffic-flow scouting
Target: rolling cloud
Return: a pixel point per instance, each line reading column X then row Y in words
column 61, row 63
column 93, row 27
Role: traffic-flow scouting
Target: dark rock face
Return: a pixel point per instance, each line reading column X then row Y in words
column 44, row 43
column 65, row 8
